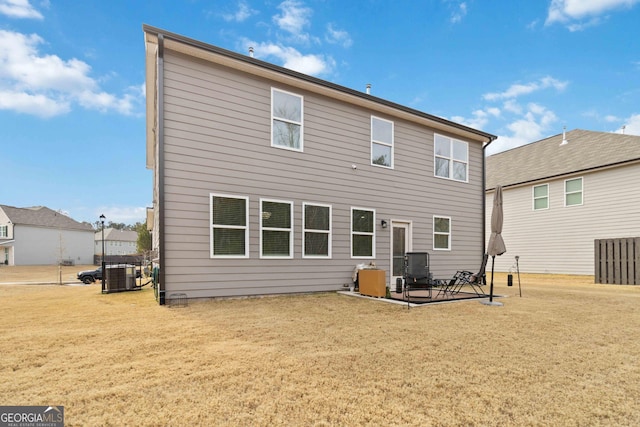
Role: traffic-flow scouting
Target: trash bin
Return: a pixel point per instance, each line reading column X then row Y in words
column 399, row 285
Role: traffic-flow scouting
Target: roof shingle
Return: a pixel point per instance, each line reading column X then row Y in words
column 549, row 158
column 42, row 216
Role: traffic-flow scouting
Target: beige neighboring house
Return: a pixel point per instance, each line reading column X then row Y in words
column 269, row 181
column 41, row 236
column 562, row 193
column 116, row 242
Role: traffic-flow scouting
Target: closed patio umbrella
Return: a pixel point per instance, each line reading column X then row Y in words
column 496, row 243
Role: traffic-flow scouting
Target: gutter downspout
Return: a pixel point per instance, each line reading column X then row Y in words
column 160, row 166
column 484, row 194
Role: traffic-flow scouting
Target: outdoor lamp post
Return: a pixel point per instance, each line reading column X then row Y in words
column 102, row 218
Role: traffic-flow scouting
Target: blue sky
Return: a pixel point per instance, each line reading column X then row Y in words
column 72, row 129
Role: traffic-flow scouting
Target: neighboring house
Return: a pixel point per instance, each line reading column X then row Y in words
column 269, row 181
column 41, row 236
column 562, row 193
column 116, row 242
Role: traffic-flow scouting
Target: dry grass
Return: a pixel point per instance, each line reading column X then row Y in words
column 42, row 273
column 566, row 353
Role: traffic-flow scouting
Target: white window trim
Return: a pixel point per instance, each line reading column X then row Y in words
column 433, row 224
column 290, row 230
column 212, row 226
column 305, row 230
column 574, row 192
column 5, row 232
column 373, row 240
column 373, row 141
column 301, row 123
column 534, row 198
column 450, row 159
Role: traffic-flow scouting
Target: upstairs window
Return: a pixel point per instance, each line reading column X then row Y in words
column 229, row 231
column 451, row 158
column 286, row 120
column 381, row 142
column 4, row 231
column 363, row 233
column 541, row 197
column 573, row 192
column 317, row 231
column 441, row 233
column 276, row 229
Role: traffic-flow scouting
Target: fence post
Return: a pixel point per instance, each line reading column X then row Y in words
column 624, row 262
column 596, row 260
column 636, row 261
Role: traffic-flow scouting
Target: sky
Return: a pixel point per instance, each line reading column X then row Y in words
column 72, row 110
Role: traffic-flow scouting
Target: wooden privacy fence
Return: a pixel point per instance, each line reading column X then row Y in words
column 617, row 261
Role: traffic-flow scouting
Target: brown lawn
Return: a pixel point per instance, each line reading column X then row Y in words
column 566, row 353
column 42, row 273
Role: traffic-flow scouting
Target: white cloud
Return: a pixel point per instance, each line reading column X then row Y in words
column 46, row 85
column 531, row 126
column 480, row 118
column 632, row 125
column 584, row 25
column 512, row 106
column 294, row 19
column 336, row 36
column 533, row 24
column 569, row 11
column 517, row 90
column 124, row 214
column 459, row 13
column 19, row 9
column 294, row 60
column 494, row 111
column 243, row 12
column 36, row 105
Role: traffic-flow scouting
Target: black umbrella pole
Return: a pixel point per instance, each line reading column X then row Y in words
column 518, row 268
column 493, row 261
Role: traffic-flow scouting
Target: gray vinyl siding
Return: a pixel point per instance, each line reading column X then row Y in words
column 561, row 239
column 217, row 140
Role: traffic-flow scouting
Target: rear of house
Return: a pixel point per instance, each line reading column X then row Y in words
column 562, row 193
column 268, row 181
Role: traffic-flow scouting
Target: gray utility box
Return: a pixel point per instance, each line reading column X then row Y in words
column 120, row 278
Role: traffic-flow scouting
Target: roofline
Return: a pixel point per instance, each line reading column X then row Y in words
column 575, row 172
column 314, row 80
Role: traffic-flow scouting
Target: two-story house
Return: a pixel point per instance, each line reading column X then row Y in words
column 41, row 236
column 269, row 181
column 562, row 193
column 116, row 242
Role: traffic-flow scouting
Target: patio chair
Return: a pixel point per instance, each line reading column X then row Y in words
column 416, row 274
column 467, row 278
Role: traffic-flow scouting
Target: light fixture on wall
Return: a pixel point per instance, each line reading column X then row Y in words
column 383, row 223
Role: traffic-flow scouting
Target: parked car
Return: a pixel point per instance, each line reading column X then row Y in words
column 90, row 276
